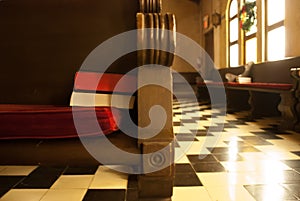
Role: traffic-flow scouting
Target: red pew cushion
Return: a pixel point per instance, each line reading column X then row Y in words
column 46, row 121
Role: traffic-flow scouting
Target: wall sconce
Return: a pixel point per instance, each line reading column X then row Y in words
column 216, row 19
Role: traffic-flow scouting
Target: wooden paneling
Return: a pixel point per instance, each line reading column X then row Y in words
column 43, row 44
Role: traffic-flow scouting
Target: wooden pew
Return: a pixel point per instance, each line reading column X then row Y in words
column 271, row 92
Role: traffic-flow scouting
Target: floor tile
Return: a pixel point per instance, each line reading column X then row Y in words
column 10, row 181
column 218, row 128
column 219, row 150
column 275, row 130
column 228, row 125
column 185, row 175
column 64, row 194
column 187, row 179
column 291, row 176
column 208, row 167
column 253, row 156
column 3, row 191
column 272, row 192
column 41, row 178
column 80, row 170
column 187, row 121
column 296, row 153
column 219, row 179
column 203, row 133
column 255, row 140
column 201, row 158
column 228, row 157
column 292, row 163
column 266, row 135
column 185, row 137
column 106, row 178
column 294, row 189
column 213, row 178
column 238, row 131
column 248, row 149
column 17, row 170
column 177, row 123
column 236, row 143
column 73, row 181
column 278, row 153
column 257, row 165
column 297, row 170
column 183, row 168
column 194, row 148
column 180, row 158
column 274, row 176
column 229, row 193
column 236, row 122
column 181, row 129
column 287, row 144
column 104, row 195
column 24, row 195
column 190, row 194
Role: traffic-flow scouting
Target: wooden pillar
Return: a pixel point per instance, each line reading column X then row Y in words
column 156, row 134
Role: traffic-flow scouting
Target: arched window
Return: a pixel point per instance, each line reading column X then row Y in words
column 264, row 40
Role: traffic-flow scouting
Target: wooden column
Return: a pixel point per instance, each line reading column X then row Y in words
column 156, row 134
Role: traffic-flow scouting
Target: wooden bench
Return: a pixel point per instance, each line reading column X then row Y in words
column 271, row 92
column 39, row 58
column 296, row 74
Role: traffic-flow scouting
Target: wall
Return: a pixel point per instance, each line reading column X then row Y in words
column 43, row 44
column 292, row 24
column 208, row 7
column 187, row 15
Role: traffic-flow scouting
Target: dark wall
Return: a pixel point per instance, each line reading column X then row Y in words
column 44, row 42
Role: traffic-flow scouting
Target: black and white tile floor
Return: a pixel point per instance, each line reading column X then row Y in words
column 242, row 161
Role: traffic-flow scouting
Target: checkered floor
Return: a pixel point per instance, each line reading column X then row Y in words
column 239, row 160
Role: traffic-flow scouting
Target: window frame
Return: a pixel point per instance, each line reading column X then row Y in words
column 261, row 33
column 235, row 42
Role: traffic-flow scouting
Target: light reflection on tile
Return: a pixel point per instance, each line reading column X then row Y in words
column 253, row 156
column 230, row 193
column 257, row 165
column 277, row 153
column 220, row 179
column 272, row 192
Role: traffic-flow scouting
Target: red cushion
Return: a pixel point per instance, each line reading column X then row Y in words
column 91, row 81
column 45, row 121
column 259, row 85
column 279, row 86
